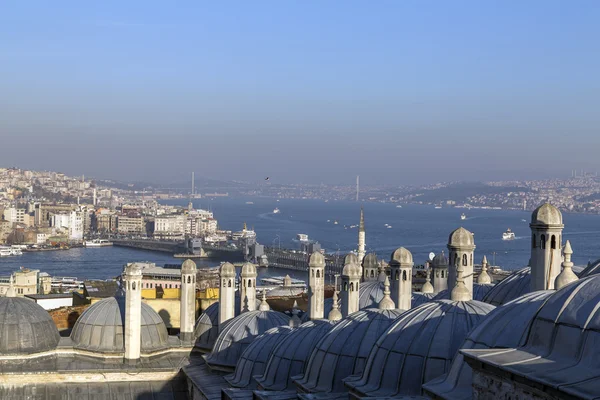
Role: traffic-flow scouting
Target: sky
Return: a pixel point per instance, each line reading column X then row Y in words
column 398, row 92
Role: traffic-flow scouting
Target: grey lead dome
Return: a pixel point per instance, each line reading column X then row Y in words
column 25, row 327
column 546, row 214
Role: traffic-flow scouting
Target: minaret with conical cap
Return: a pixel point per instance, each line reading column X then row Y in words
column 460, row 291
column 567, row 275
column 361, row 237
column 11, row 292
column 461, row 245
column 335, row 314
column 132, row 279
column 427, row 286
column 295, row 321
column 350, row 285
column 386, row 303
column 484, row 278
column 546, row 239
column 401, row 264
column 316, row 286
column 248, row 288
column 439, row 265
column 187, row 302
column 264, row 306
column 226, row 293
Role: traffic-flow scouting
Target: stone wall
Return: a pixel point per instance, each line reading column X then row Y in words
column 487, row 386
column 64, row 318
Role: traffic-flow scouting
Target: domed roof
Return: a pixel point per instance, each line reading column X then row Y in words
column 352, row 270
column 417, row 347
column 317, row 259
column 546, row 214
column 285, row 291
column 371, row 293
column 370, row 261
column 188, row 267
column 248, row 269
column 591, row 269
column 460, row 238
column 227, row 269
column 419, row 298
column 291, row 356
column 515, row 285
column 254, row 359
column 101, row 328
column 402, row 256
column 506, row 326
column 480, row 290
column 25, row 327
column 237, row 333
column 343, row 351
column 440, row 260
column 351, row 258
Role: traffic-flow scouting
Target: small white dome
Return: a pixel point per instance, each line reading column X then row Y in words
column 546, row 214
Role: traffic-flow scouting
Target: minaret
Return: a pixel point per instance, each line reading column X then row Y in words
column 546, row 239
column 187, row 303
column 460, row 292
column 350, row 285
column 264, row 306
column 484, row 278
column 567, row 275
column 226, row 293
column 295, row 321
column 386, row 303
column 335, row 314
column 133, row 311
column 401, row 264
column 11, row 289
column 316, row 286
column 461, row 245
column 427, row 286
column 248, row 288
column 369, row 267
column 440, row 273
column 361, row 236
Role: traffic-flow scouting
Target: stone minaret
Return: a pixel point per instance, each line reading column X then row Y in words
column 370, row 267
column 567, row 275
column 187, row 303
column 546, row 239
column 460, row 292
column 226, row 293
column 484, row 278
column 335, row 314
column 386, row 303
column 264, row 306
column 316, row 286
column 11, row 292
column 439, row 264
column 132, row 280
column 427, row 286
column 295, row 321
column 401, row 264
column 361, row 236
column 248, row 288
column 351, row 275
column 461, row 245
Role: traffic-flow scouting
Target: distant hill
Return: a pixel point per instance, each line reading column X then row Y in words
column 461, row 191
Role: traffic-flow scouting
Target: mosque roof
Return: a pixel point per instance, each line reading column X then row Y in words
column 480, row 290
column 100, row 328
column 370, row 294
column 370, row 261
column 343, row 351
column 254, row 359
column 402, row 255
column 25, row 327
column 188, row 266
column 237, row 333
column 546, row 214
column 285, row 291
column 506, row 326
column 515, row 285
column 317, row 259
column 417, row 347
column 461, row 237
column 440, row 260
column 591, row 269
column 290, row 356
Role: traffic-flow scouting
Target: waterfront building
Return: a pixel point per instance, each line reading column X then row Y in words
column 170, row 226
column 26, row 281
column 131, row 225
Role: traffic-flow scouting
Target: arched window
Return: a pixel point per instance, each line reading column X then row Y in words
column 397, row 277
column 352, row 286
column 553, row 242
column 442, row 273
column 543, row 241
column 437, row 274
column 464, row 257
column 345, row 286
column 133, row 285
column 372, row 274
column 455, row 259
column 533, row 244
column 229, row 283
column 249, row 283
column 313, row 273
column 189, row 279
column 404, row 275
column 471, row 263
column 318, row 273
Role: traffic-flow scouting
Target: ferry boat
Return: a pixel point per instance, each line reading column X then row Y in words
column 398, row 206
column 97, row 243
column 10, row 251
column 276, row 211
column 438, row 207
column 463, row 216
column 66, row 283
column 302, row 237
column 508, row 235
column 335, row 222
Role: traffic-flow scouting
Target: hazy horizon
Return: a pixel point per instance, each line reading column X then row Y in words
column 310, row 92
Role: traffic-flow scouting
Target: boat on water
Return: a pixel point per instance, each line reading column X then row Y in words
column 389, row 227
column 249, row 202
column 335, row 222
column 398, row 206
column 276, row 211
column 10, row 251
column 302, row 237
column 97, row 243
column 523, row 220
column 508, row 235
column 438, row 207
column 463, row 216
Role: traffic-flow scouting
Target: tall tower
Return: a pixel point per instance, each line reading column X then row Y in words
column 461, row 246
column 370, row 267
column 187, row 302
column 132, row 280
column 248, row 288
column 361, row 237
column 439, row 264
column 546, row 239
column 350, row 285
column 316, row 286
column 226, row 293
column 401, row 264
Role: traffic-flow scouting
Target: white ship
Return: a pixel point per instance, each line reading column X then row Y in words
column 10, row 251
column 276, row 211
column 97, row 243
column 438, row 207
column 463, row 216
column 508, row 235
column 302, row 237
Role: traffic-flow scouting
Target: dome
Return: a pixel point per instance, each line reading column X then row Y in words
column 439, row 261
column 255, row 357
column 370, row 261
column 402, row 256
column 515, row 285
column 352, row 270
column 237, row 333
column 317, row 259
column 460, row 238
column 248, row 270
column 591, row 269
column 227, row 269
column 188, row 267
column 291, row 356
column 351, row 258
column 101, row 328
column 546, row 214
column 419, row 298
column 285, row 291
column 371, row 293
column 417, row 347
column 343, row 351
column 480, row 290
column 506, row 326
column 25, row 327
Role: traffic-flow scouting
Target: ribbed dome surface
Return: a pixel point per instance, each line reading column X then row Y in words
column 254, row 359
column 546, row 214
column 505, row 327
column 591, row 269
column 100, row 328
column 343, row 351
column 371, row 293
column 417, row 347
column 25, row 327
column 479, row 292
column 440, row 260
column 515, row 285
column 285, row 291
column 238, row 333
column 461, row 237
column 420, row 298
column 291, row 355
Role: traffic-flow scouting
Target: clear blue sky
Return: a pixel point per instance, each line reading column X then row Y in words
column 305, row 91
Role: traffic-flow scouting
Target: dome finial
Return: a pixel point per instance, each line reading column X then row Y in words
column 386, row 303
column 11, row 289
column 484, row 278
column 295, row 320
column 335, row 314
column 567, row 275
column 264, row 306
column 427, row 286
column 460, row 291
